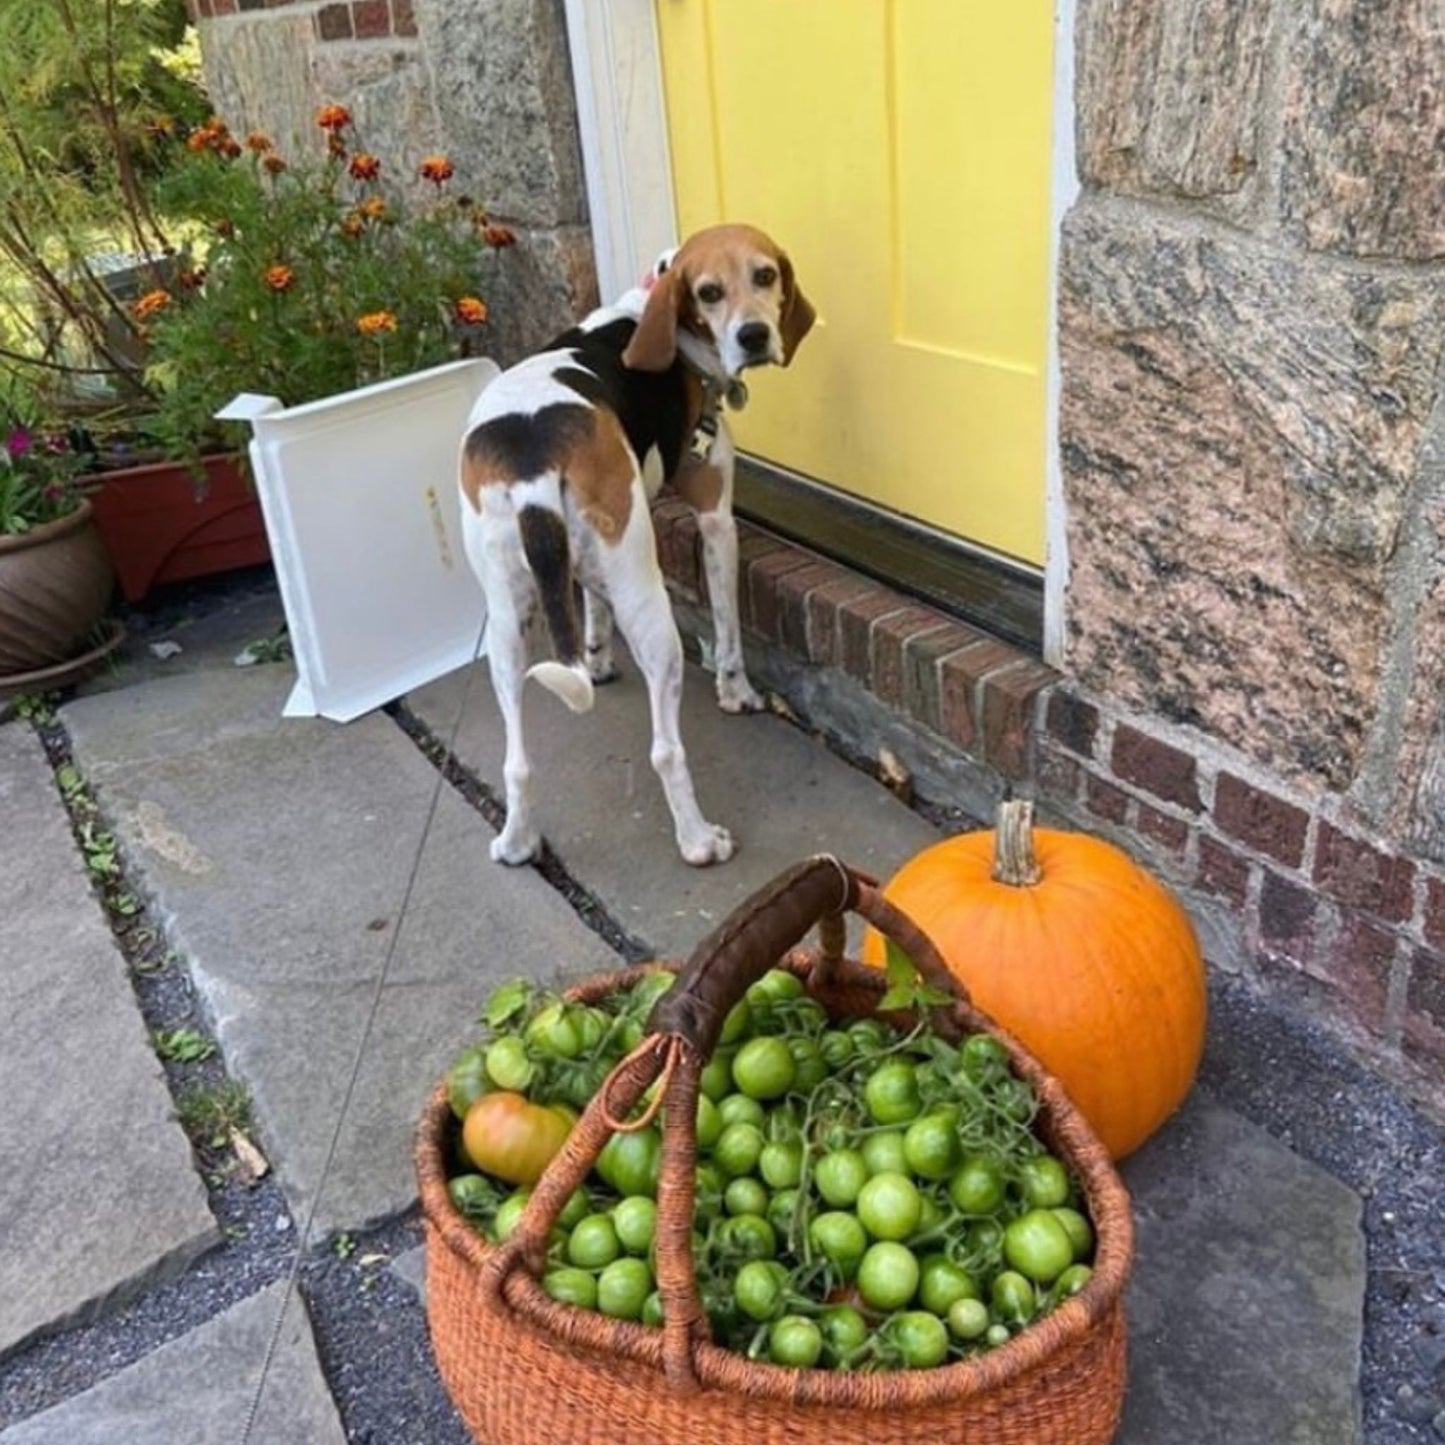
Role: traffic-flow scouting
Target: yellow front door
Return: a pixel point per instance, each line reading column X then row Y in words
column 900, row 151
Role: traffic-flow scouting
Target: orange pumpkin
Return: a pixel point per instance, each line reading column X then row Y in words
column 1086, row 958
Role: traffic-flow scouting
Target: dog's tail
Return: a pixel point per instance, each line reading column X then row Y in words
column 544, row 542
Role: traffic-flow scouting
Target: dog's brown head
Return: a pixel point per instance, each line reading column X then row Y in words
column 734, row 287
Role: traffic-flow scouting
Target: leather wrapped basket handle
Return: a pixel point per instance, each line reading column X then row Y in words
column 682, row 1033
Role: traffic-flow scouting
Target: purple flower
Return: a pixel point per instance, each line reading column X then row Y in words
column 18, row 442
column 54, row 492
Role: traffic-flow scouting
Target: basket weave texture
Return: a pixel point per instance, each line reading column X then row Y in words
column 521, row 1367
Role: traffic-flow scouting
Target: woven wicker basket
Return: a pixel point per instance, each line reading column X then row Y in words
column 523, row 1369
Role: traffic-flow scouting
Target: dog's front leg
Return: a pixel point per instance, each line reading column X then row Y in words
column 708, row 486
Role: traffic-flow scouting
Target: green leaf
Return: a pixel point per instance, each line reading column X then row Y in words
column 933, row 997
column 506, row 1002
column 901, row 997
column 901, row 969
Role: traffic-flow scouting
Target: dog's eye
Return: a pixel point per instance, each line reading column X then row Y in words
column 764, row 276
column 709, row 293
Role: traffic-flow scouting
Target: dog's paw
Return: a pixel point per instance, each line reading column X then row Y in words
column 515, row 848
column 715, row 845
column 735, row 694
column 602, row 671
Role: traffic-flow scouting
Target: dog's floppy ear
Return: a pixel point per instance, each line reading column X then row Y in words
column 654, row 344
column 798, row 315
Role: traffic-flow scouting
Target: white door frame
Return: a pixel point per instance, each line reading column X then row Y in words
column 622, row 121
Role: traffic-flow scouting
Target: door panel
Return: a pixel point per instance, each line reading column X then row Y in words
column 899, row 150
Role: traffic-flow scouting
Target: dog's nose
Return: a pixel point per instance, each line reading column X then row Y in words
column 754, row 336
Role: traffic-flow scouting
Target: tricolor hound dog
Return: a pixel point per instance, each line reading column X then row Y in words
column 562, row 455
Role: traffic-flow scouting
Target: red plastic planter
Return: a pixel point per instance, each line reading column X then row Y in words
column 163, row 523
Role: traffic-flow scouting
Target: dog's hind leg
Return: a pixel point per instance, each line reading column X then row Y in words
column 639, row 601
column 597, row 630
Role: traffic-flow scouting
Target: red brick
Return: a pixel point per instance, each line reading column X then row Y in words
column 922, row 687
column 856, row 620
column 1260, row 820
column 1163, row 829
column 371, row 19
column 1056, row 774
column 1222, row 871
column 1358, row 874
column 1074, row 722
column 825, row 647
column 762, row 580
column 794, row 589
column 223, row 7
column 333, row 22
column 890, row 637
column 1288, row 918
column 1424, row 1038
column 1104, row 800
column 753, row 546
column 1435, row 912
column 960, row 718
column 403, row 18
column 1358, row 968
column 1158, row 768
column 1008, row 713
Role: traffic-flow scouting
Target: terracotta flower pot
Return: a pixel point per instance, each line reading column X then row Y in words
column 55, row 583
column 162, row 523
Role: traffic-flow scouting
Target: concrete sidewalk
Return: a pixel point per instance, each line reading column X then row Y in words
column 331, row 903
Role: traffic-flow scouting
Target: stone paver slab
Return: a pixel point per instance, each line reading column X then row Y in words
column 780, row 792
column 201, row 1388
column 1246, row 1310
column 281, row 852
column 98, row 1194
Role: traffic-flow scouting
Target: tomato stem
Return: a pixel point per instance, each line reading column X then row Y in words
column 1014, row 863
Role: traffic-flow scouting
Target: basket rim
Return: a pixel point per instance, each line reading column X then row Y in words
column 1060, row 1121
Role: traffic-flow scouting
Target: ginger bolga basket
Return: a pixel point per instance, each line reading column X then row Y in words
column 521, row 1367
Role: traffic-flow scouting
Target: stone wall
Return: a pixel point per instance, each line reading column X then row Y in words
column 486, row 82
column 1252, row 333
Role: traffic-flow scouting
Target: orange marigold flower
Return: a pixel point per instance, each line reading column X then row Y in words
column 437, row 169
column 273, row 164
column 150, row 303
column 199, row 140
column 192, row 280
column 375, row 322
column 279, row 278
column 471, row 310
column 364, row 167
column 353, row 226
column 333, row 117
column 373, row 208
column 228, row 147
column 259, row 141
column 498, row 237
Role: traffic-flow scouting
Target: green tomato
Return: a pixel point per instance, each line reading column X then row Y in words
column 763, row 1068
column 593, row 1242
column 809, row 1068
column 967, row 1318
column 1017, row 1101
column 781, row 1164
column 556, row 1031
column 739, row 1109
column 571, row 1286
column 931, row 1146
column 976, row 1186
column 1038, row 1246
column 845, row 1332
column 746, row 1195
column 623, row 1288
column 467, row 1081
column 738, row 1149
column 635, row 1219
column 1044, row 1181
column 578, row 1207
column 795, row 1341
column 781, row 1210
column 1081, row 1234
column 777, row 985
column 508, row 1066
column 941, row 1283
column 837, row 1048
column 716, row 1080
column 870, row 1036
column 984, row 1059
column 891, row 1093
column 747, row 1236
column 841, row 1239
column 709, row 1123
column 760, row 1289
column 1013, row 1298
column 997, row 1335
column 883, row 1152
column 839, row 1175
column 509, row 1214
column 921, row 1338
column 736, row 1024
column 889, row 1206
column 1072, row 1280
column 888, row 1275
column 630, row 1163
column 652, row 1310
column 475, row 1195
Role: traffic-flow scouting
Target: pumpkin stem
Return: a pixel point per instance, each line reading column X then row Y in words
column 1014, row 863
